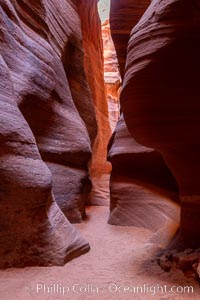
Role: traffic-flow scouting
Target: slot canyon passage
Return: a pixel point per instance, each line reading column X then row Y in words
column 99, row 155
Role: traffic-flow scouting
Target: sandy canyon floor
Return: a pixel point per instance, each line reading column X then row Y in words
column 119, row 266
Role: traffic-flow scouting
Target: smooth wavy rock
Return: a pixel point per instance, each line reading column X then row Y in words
column 124, row 15
column 141, row 184
column 33, row 230
column 160, row 98
column 135, row 166
column 44, row 93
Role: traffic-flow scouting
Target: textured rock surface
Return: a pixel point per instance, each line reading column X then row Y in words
column 44, row 93
column 137, row 161
column 93, row 47
column 135, row 166
column 160, row 99
column 33, row 230
column 55, row 108
column 139, row 177
column 123, row 17
column 187, row 261
column 70, row 189
column 112, row 76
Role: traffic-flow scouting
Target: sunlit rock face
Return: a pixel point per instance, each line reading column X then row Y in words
column 94, row 68
column 44, row 122
column 160, row 99
column 112, row 76
column 139, row 174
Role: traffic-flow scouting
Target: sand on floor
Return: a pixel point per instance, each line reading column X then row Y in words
column 118, row 266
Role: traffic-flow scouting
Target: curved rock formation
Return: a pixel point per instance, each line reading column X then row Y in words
column 44, row 93
column 52, row 106
column 33, row 230
column 140, row 177
column 160, row 99
column 123, row 17
column 141, row 185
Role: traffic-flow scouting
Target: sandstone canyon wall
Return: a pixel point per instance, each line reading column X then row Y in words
column 139, row 174
column 160, row 99
column 49, row 125
column 94, row 68
column 112, row 76
column 124, row 16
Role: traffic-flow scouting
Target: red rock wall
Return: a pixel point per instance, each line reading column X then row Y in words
column 47, row 115
column 140, row 183
column 136, row 169
column 60, row 144
column 112, row 76
column 93, row 60
column 124, row 16
column 160, row 98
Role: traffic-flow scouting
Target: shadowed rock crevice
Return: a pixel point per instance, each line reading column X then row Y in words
column 73, row 60
column 99, row 167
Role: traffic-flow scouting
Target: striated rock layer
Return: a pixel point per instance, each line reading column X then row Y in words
column 139, row 174
column 160, row 99
column 62, row 127
column 112, row 76
column 44, row 95
column 124, row 16
column 33, row 230
column 139, row 178
column 93, row 61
